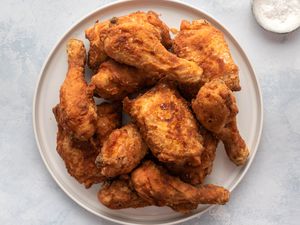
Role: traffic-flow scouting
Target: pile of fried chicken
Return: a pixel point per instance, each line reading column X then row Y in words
column 178, row 94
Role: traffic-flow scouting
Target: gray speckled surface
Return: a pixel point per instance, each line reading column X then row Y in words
column 268, row 195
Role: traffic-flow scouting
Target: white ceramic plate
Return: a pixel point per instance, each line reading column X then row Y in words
column 47, row 92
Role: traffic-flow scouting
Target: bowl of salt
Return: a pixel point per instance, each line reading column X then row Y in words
column 279, row 16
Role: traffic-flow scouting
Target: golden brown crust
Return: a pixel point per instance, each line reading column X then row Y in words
column 204, row 44
column 216, row 109
column 139, row 46
column 77, row 107
column 196, row 175
column 167, row 125
column 154, row 185
column 114, row 81
column 119, row 194
column 109, row 117
column 79, row 158
column 97, row 34
column 121, row 152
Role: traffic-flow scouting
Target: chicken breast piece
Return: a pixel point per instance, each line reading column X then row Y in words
column 114, row 81
column 205, row 45
column 139, row 45
column 121, row 152
column 167, row 125
column 77, row 107
column 154, row 185
column 120, row 194
column 97, row 34
column 216, row 109
column 196, row 175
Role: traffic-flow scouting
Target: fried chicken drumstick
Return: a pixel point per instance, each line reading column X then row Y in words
column 98, row 32
column 77, row 108
column 155, row 185
column 216, row 109
column 139, row 45
column 167, row 125
column 121, row 152
column 205, row 45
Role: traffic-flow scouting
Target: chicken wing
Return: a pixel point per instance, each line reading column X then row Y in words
column 121, row 152
column 120, row 194
column 77, row 107
column 154, row 185
column 114, row 81
column 216, row 109
column 97, row 34
column 79, row 156
column 167, row 125
column 195, row 175
column 109, row 117
column 139, row 45
column 204, row 44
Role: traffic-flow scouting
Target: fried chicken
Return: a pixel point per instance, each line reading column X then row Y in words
column 156, row 186
column 120, row 194
column 77, row 107
column 79, row 156
column 196, row 175
column 109, row 117
column 121, row 152
column 167, row 125
column 139, row 45
column 205, row 45
column 216, row 109
column 114, row 81
column 97, row 34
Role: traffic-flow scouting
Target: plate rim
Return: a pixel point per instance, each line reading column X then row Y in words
column 103, row 7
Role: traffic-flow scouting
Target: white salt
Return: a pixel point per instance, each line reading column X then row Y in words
column 279, row 16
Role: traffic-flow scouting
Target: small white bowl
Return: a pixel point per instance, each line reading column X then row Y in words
column 273, row 24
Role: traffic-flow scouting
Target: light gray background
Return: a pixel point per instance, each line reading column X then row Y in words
column 269, row 194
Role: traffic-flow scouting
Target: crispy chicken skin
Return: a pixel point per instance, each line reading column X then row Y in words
column 114, row 81
column 156, row 186
column 97, row 34
column 77, row 107
column 196, row 175
column 109, row 117
column 121, row 152
column 204, row 44
column 120, row 194
column 167, row 125
column 79, row 156
column 216, row 109
column 139, row 45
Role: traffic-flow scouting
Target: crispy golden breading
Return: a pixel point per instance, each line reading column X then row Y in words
column 156, row 186
column 204, row 44
column 167, row 125
column 114, row 81
column 121, row 152
column 196, row 175
column 139, row 46
column 97, row 34
column 120, row 194
column 79, row 156
column 216, row 109
column 77, row 107
column 109, row 118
